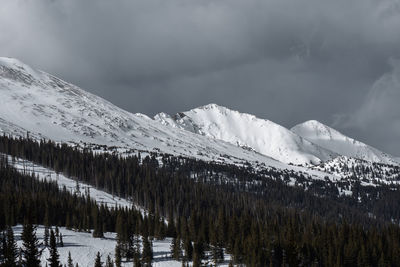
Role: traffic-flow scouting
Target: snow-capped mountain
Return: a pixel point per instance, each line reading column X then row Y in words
column 333, row 140
column 34, row 102
column 245, row 130
column 47, row 107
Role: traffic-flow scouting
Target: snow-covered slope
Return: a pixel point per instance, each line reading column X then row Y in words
column 45, row 106
column 72, row 185
column 48, row 107
column 332, row 139
column 83, row 248
column 245, row 130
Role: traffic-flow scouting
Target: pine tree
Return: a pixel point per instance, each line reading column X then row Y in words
column 69, row 262
column 3, row 247
column 176, row 248
column 11, row 250
column 188, row 249
column 57, row 234
column 46, row 236
column 98, row 262
column 109, row 262
column 98, row 225
column 54, row 257
column 198, row 253
column 61, row 240
column 147, row 253
column 118, row 256
column 31, row 255
column 136, row 250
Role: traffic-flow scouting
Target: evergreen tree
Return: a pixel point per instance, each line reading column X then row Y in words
column 61, row 240
column 3, row 246
column 98, row 226
column 109, row 262
column 46, row 236
column 98, row 262
column 30, row 251
column 69, row 262
column 57, row 234
column 54, row 257
column 176, row 248
column 258, row 223
column 147, row 253
column 188, row 249
column 198, row 253
column 11, row 250
column 118, row 256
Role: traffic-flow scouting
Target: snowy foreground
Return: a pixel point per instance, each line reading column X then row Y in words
column 84, row 247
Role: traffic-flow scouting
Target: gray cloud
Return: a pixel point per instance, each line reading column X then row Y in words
column 378, row 118
column 285, row 60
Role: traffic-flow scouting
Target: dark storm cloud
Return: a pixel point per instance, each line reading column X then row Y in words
column 378, row 118
column 285, row 60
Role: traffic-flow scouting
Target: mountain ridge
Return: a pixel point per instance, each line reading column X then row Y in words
column 47, row 107
column 247, row 130
column 336, row 141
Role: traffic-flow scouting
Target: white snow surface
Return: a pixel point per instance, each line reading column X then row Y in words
column 83, row 248
column 47, row 107
column 246, row 130
column 334, row 140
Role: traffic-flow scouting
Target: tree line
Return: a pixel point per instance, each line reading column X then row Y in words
column 268, row 224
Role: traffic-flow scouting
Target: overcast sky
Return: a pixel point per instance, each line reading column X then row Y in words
column 336, row 61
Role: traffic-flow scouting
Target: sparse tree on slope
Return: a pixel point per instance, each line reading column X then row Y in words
column 30, row 249
column 46, row 236
column 109, row 262
column 70, row 263
column 11, row 249
column 54, row 257
column 98, row 262
column 118, row 255
column 147, row 254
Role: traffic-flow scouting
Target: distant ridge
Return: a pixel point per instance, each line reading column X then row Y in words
column 333, row 140
column 47, row 107
column 246, row 130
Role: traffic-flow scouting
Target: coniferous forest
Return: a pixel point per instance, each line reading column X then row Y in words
column 208, row 207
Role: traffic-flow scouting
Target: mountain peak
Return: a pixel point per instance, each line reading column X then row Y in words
column 248, row 131
column 8, row 61
column 329, row 138
column 313, row 122
column 14, row 69
column 213, row 106
column 312, row 129
column 13, row 63
column 210, row 106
